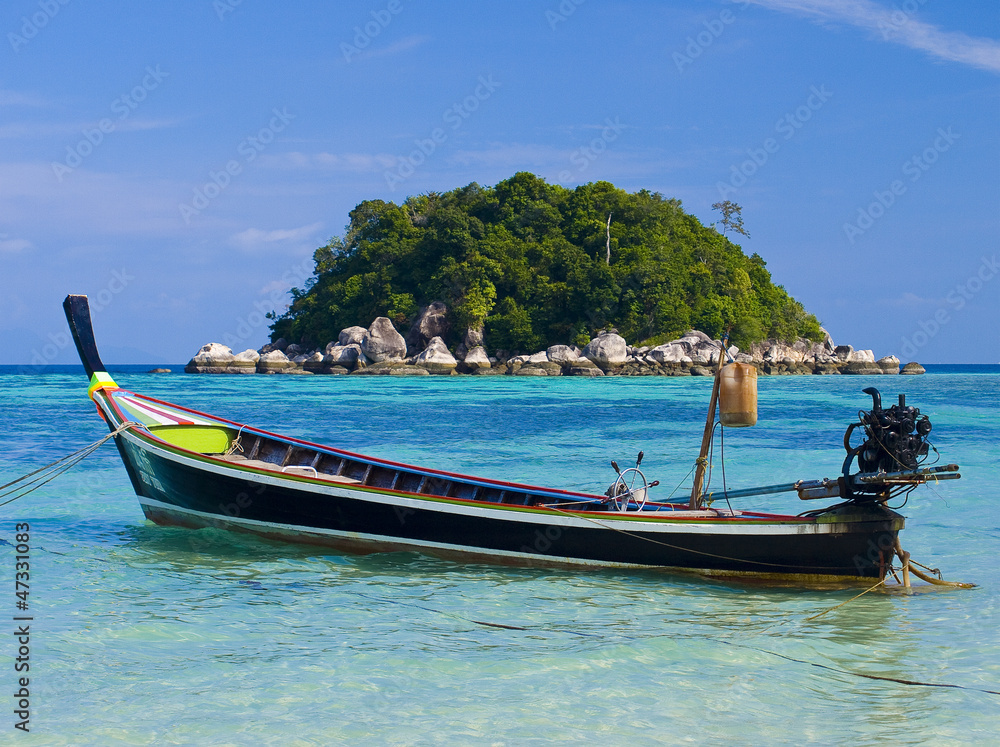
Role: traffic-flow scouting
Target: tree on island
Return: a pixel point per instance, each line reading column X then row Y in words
column 535, row 264
column 731, row 217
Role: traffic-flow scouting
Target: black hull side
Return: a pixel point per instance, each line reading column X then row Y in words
column 365, row 521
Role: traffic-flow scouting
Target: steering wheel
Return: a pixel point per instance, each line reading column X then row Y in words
column 631, row 485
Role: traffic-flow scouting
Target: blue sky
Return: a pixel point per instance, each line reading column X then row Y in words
column 180, row 162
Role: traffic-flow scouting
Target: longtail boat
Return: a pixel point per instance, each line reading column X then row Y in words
column 191, row 469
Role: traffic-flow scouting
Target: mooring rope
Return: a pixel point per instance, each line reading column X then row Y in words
column 838, row 606
column 19, row 488
column 544, row 628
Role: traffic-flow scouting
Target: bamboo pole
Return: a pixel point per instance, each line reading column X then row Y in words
column 706, row 438
column 904, row 558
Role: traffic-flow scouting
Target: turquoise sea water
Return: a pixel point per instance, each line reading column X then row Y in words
column 148, row 635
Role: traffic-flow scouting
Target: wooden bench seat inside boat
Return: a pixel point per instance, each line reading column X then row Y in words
column 288, row 470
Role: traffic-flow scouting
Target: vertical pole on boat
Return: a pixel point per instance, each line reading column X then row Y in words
column 706, row 440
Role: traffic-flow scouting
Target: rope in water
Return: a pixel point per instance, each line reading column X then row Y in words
column 536, row 629
column 22, row 486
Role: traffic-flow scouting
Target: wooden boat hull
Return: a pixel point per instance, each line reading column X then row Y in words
column 186, row 489
column 196, row 470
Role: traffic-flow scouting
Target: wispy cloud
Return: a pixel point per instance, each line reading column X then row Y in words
column 403, row 45
column 12, row 246
column 897, row 26
column 254, row 238
column 912, row 301
column 16, row 130
column 356, row 162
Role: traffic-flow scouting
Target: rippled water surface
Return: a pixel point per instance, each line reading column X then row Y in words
column 142, row 635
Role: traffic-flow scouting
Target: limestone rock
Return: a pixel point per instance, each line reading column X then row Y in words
column 342, row 355
column 541, row 357
column 431, row 322
column 550, row 368
column 913, row 368
column 530, row 371
column 584, row 367
column 473, row 338
column 314, row 363
column 706, row 353
column 350, row 335
column 280, row 344
column 889, row 364
column 827, row 342
column 248, row 356
column 383, row 343
column 861, row 356
column 607, row 351
column 436, row 357
column 378, row 369
column 672, row 352
column 274, row 362
column 693, row 337
column 212, row 352
column 476, row 358
column 562, row 354
column 216, row 358
column 863, row 368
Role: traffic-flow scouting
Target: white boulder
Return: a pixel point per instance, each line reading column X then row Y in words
column 436, row 357
column 607, row 351
column 383, row 343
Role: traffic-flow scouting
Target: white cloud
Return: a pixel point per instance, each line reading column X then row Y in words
column 12, row 246
column 901, row 27
column 254, row 238
column 403, row 45
column 912, row 301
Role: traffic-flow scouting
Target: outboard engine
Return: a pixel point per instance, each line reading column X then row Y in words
column 895, row 441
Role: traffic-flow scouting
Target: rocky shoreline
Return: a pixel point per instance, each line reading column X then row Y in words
column 382, row 350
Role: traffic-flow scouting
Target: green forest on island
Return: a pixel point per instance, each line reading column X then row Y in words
column 528, row 262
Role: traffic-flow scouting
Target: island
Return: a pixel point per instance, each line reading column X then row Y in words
column 533, row 279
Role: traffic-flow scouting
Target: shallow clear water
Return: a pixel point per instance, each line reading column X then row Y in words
column 151, row 635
